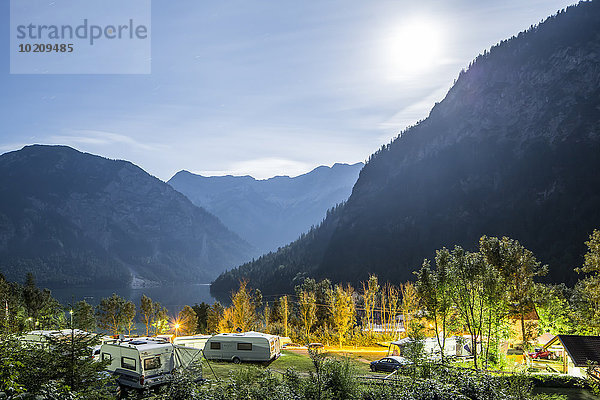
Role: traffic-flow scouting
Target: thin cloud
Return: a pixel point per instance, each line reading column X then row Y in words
column 103, row 138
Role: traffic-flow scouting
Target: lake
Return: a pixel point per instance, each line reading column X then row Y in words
column 173, row 297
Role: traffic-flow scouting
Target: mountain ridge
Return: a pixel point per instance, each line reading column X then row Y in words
column 511, row 150
column 270, row 213
column 76, row 218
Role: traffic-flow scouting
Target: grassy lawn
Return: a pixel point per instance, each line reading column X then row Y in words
column 288, row 359
column 297, row 359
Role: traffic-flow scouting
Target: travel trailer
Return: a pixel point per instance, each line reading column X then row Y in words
column 454, row 346
column 238, row 347
column 196, row 341
column 41, row 338
column 143, row 364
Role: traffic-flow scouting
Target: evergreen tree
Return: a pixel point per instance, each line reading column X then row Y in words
column 33, row 298
column 202, row 310
column 70, row 359
column 214, row 317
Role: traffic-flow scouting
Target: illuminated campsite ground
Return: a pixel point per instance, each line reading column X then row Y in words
column 299, row 360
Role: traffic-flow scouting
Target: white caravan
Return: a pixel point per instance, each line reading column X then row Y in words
column 196, row 341
column 454, row 346
column 143, row 364
column 247, row 346
column 41, row 338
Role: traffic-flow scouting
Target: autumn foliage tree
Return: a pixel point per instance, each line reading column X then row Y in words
column 188, row 321
column 242, row 312
column 370, row 293
column 307, row 306
column 342, row 309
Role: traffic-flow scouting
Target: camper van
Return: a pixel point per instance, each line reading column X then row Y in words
column 143, row 364
column 238, row 347
column 196, row 341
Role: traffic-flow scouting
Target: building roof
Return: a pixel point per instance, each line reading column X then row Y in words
column 544, row 338
column 531, row 315
column 581, row 349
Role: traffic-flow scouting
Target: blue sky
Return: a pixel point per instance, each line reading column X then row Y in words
column 263, row 87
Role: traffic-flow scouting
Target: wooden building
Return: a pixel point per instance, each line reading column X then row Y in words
column 578, row 353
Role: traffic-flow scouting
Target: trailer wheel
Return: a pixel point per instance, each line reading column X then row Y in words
column 236, row 360
column 122, row 392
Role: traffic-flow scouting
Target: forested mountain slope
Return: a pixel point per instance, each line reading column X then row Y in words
column 270, row 213
column 513, row 149
column 75, row 218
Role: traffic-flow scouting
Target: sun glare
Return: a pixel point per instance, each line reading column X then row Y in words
column 413, row 47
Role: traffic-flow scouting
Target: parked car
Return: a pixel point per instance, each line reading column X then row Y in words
column 541, row 353
column 389, row 364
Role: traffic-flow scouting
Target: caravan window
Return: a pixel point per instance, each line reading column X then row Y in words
column 106, row 357
column 151, row 363
column 244, row 346
column 215, row 345
column 128, row 363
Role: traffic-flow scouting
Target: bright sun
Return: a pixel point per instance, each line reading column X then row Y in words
column 413, row 47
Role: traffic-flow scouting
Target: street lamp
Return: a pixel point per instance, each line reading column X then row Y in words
column 176, row 328
column 71, row 313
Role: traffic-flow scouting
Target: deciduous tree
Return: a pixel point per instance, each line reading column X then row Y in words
column 370, row 293
column 188, row 321
column 115, row 314
column 342, row 309
column 587, row 290
column 433, row 289
column 517, row 267
column 307, row 305
column 147, row 312
column 467, row 291
column 410, row 306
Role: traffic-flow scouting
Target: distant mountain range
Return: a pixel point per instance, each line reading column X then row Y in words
column 80, row 219
column 270, row 213
column 513, row 149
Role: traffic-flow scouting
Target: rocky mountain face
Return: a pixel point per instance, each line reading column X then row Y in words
column 513, row 149
column 270, row 213
column 75, row 218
